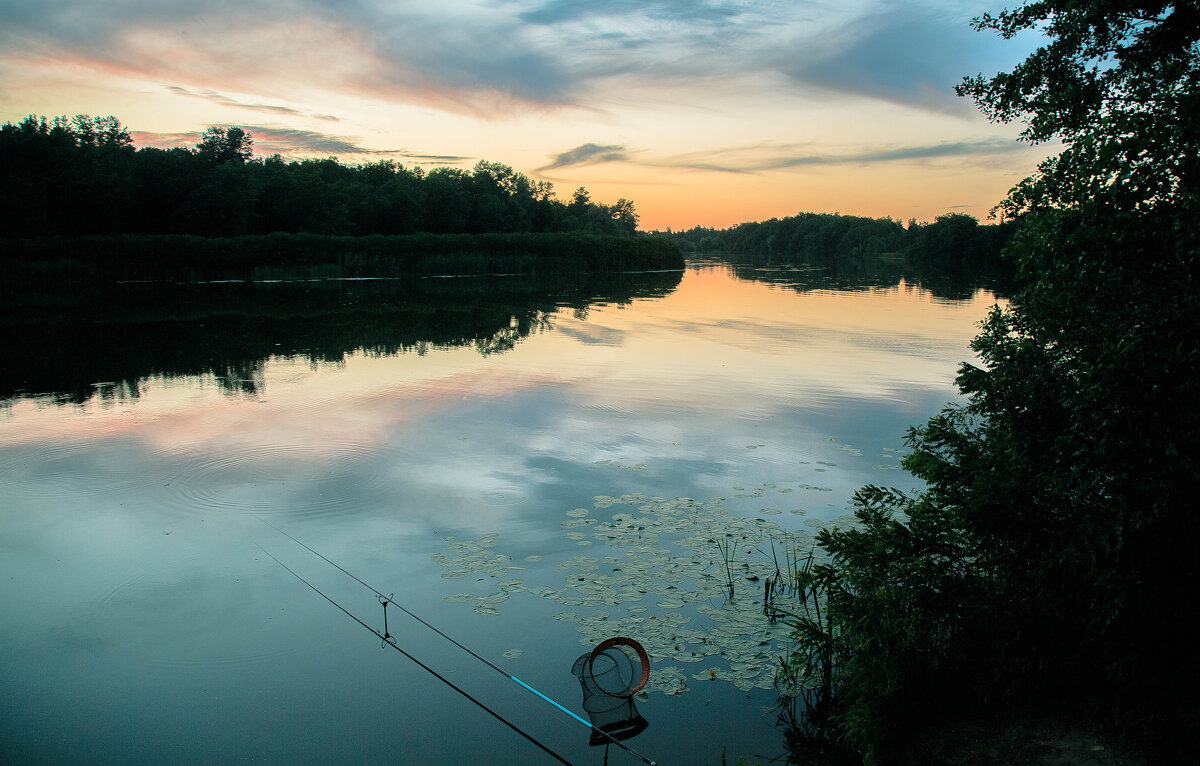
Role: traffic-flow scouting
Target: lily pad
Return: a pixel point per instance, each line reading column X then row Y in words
column 662, row 554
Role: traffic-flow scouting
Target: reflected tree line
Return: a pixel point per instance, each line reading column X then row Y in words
column 863, row 272
column 107, row 341
column 955, row 248
column 82, row 176
column 104, row 340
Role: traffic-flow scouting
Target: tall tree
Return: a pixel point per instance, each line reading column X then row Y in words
column 1090, row 377
column 221, row 144
column 1051, row 555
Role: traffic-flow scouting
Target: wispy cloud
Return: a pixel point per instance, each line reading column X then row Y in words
column 587, row 154
column 691, row 11
column 908, row 56
column 295, row 143
column 767, row 157
column 223, row 100
column 484, row 55
column 145, row 138
column 976, row 148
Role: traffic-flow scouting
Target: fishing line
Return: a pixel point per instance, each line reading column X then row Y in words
column 387, row 599
column 392, row 643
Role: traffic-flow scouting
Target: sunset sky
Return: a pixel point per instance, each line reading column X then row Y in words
column 704, row 112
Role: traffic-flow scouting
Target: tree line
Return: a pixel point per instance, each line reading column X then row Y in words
column 1049, row 564
column 953, row 239
column 83, row 176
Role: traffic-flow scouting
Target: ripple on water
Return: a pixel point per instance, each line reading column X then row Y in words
column 294, row 479
column 505, row 497
column 49, row 470
column 131, row 589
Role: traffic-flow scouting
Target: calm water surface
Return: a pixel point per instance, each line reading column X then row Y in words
column 531, row 487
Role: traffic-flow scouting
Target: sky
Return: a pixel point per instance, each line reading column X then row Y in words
column 703, row 112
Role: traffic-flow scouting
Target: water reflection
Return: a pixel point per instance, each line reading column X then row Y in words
column 863, row 272
column 496, row 493
column 104, row 341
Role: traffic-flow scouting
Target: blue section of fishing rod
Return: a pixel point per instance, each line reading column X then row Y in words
column 388, row 600
column 552, row 702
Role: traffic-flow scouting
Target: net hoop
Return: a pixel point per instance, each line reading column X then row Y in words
column 643, row 659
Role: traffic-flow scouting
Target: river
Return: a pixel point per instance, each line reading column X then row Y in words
column 528, row 470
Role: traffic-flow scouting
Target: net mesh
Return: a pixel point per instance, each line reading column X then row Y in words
column 610, row 676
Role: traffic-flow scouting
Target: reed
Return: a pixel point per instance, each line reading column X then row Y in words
column 727, row 546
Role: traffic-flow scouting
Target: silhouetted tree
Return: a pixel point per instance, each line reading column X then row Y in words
column 82, row 176
column 1050, row 558
column 220, row 144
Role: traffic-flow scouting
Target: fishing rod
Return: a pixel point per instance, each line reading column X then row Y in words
column 385, row 600
column 391, row 641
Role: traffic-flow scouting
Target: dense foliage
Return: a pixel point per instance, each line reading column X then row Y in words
column 83, row 176
column 1049, row 561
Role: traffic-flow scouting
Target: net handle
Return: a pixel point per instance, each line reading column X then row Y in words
column 643, row 658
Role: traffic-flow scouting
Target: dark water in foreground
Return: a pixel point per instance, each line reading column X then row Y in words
column 529, row 469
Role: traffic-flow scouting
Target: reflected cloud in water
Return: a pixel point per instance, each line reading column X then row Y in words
column 387, row 424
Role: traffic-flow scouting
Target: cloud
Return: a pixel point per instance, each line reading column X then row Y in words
column 223, row 100
column 909, row 57
column 765, row 158
column 144, row 138
column 768, row 157
column 475, row 55
column 588, row 154
column 294, row 143
column 492, row 56
column 452, row 55
column 974, row 148
column 691, row 11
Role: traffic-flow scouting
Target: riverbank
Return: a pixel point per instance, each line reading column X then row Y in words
column 1032, row 742
column 1160, row 732
column 185, row 257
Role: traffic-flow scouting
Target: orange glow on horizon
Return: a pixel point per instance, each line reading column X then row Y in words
column 787, row 145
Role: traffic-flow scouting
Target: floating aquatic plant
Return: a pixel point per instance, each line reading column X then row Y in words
column 664, row 581
column 619, row 464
